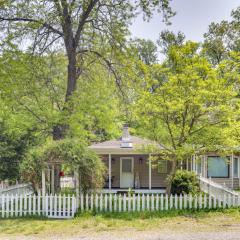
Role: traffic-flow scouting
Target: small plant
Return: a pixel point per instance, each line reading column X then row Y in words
column 68, row 191
column 185, row 182
column 130, row 192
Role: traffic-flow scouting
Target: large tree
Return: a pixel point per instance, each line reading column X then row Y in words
column 91, row 27
column 187, row 105
column 32, row 94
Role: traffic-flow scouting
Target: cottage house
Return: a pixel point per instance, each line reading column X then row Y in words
column 129, row 166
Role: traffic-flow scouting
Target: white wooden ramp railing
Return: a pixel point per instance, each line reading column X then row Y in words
column 214, row 189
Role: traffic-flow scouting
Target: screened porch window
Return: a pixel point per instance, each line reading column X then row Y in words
column 162, row 166
column 199, row 166
column 218, row 167
column 235, row 167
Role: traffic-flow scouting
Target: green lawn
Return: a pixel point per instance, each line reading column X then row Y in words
column 90, row 223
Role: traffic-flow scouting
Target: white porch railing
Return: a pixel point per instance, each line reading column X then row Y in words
column 215, row 189
column 21, row 189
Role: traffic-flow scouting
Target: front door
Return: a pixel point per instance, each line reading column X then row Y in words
column 126, row 172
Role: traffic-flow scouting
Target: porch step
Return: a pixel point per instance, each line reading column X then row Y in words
column 124, row 191
column 136, row 191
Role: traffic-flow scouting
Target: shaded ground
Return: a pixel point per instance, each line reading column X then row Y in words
column 160, row 226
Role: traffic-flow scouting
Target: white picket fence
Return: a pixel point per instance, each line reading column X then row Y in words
column 32, row 205
column 61, row 206
column 153, row 202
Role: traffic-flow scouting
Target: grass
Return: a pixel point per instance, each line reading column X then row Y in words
column 90, row 223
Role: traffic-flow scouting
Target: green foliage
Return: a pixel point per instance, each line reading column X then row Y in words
column 222, row 38
column 185, row 182
column 184, row 101
column 68, row 191
column 168, row 39
column 188, row 105
column 13, row 146
column 32, row 94
column 147, row 51
column 73, row 154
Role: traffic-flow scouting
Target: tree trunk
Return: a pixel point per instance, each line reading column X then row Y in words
column 57, row 186
column 72, row 75
column 171, row 176
column 60, row 130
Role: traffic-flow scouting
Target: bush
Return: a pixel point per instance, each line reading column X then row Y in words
column 185, row 182
column 72, row 154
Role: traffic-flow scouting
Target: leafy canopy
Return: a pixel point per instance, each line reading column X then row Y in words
column 186, row 103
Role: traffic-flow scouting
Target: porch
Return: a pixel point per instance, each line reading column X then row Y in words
column 135, row 172
column 220, row 169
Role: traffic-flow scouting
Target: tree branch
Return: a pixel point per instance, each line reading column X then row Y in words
column 21, row 19
column 83, row 19
column 109, row 65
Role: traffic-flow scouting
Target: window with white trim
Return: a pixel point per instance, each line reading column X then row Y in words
column 218, row 167
column 162, row 166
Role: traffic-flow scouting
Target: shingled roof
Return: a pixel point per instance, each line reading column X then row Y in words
column 125, row 144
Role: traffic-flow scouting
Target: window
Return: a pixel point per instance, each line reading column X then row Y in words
column 162, row 166
column 127, row 165
column 235, row 167
column 199, row 166
column 218, row 167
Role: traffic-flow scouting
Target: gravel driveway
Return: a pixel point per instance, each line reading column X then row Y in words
column 143, row 235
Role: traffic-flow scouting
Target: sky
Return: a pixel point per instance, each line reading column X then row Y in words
column 193, row 18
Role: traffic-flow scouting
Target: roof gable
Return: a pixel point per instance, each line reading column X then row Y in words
column 117, row 145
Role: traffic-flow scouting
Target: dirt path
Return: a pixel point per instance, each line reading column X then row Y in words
column 141, row 235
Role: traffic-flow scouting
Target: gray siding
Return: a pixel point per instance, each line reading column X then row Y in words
column 140, row 167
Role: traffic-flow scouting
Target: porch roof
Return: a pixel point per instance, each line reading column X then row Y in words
column 116, row 146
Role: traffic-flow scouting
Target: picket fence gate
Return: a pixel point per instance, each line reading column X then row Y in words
column 61, row 206
column 56, row 206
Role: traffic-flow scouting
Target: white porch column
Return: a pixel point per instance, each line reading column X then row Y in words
column 203, row 160
column 109, row 171
column 232, row 172
column 150, row 172
column 238, row 172
column 201, row 166
column 76, row 176
column 205, row 166
column 194, row 163
column 77, row 185
column 52, row 179
column 43, row 182
column 191, row 163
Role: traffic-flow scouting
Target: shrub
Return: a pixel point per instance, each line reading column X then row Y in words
column 185, row 182
column 73, row 154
